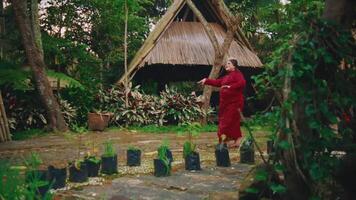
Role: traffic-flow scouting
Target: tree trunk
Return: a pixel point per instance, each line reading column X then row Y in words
column 218, row 62
column 220, row 51
column 341, row 12
column 35, row 59
column 2, row 29
column 35, row 25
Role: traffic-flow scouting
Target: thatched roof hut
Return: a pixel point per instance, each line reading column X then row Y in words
column 179, row 40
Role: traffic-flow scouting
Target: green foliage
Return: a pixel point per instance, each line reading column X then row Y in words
column 192, row 130
column 11, row 182
column 188, row 148
column 27, row 134
column 78, row 129
column 278, row 188
column 69, row 112
column 13, row 185
column 33, row 161
column 109, row 150
column 180, row 129
column 261, row 175
column 13, row 75
column 309, row 52
column 83, row 100
column 162, row 155
column 179, row 108
column 23, row 110
column 93, row 159
column 184, row 87
column 63, row 77
column 252, row 190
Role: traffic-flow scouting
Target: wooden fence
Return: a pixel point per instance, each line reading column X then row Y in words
column 4, row 124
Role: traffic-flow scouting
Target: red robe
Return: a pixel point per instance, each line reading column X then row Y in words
column 230, row 102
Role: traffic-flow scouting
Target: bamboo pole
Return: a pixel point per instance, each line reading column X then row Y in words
column 125, row 46
column 4, row 122
column 2, row 130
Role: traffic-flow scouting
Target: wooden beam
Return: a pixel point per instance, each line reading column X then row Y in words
column 207, row 27
column 153, row 37
column 230, row 20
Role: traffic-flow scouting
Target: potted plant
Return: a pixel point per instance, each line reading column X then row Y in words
column 109, row 159
column 93, row 165
column 57, row 175
column 222, row 155
column 133, row 155
column 93, row 162
column 162, row 164
column 78, row 171
column 165, row 148
column 191, row 156
column 98, row 120
column 36, row 178
column 247, row 151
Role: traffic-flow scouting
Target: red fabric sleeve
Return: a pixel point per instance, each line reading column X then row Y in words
column 213, row 82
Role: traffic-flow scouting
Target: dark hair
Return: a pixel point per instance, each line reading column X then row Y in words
column 234, row 62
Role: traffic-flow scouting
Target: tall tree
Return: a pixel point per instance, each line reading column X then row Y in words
column 34, row 54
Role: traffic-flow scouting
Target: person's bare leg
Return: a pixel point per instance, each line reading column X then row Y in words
column 234, row 143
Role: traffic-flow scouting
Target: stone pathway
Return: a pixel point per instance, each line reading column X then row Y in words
column 137, row 182
column 210, row 183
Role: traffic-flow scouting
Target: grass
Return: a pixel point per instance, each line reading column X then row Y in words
column 166, row 129
column 28, row 134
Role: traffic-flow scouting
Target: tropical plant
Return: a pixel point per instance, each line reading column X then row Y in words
column 181, row 108
column 69, row 112
column 109, row 150
column 33, row 161
column 192, row 130
column 14, row 186
column 162, row 155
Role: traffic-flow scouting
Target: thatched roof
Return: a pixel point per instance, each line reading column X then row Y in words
column 186, row 43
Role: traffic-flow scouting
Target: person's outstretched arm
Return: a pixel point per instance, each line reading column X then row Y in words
column 212, row 82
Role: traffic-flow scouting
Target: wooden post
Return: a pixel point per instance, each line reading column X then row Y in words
column 125, row 46
column 4, row 129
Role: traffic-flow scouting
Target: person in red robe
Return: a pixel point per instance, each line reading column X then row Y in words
column 231, row 103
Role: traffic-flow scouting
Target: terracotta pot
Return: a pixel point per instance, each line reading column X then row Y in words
column 98, row 121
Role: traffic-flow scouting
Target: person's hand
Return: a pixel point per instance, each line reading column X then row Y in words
column 225, row 86
column 202, row 81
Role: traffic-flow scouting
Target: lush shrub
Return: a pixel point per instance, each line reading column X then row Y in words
column 23, row 110
column 83, row 101
column 179, row 108
column 170, row 107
